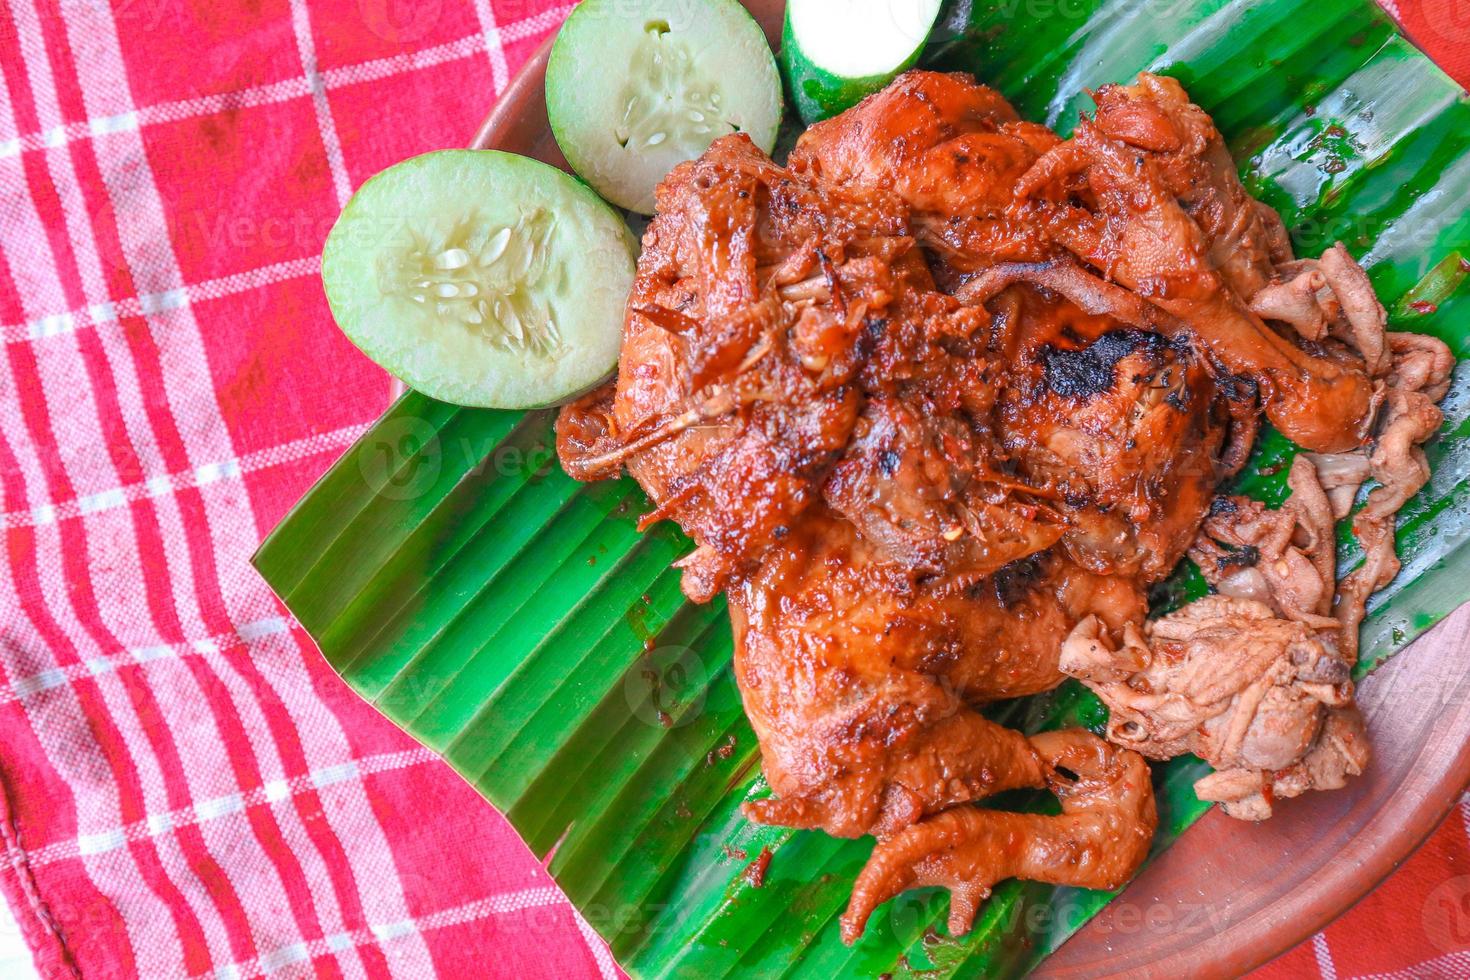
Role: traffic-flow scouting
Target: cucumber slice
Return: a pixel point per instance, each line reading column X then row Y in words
column 636, row 87
column 834, row 53
column 481, row 278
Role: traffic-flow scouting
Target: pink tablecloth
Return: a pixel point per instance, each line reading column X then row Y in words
column 187, row 788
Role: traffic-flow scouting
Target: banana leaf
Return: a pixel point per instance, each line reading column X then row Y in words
column 518, row 624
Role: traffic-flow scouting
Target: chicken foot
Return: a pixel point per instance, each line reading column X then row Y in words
column 1098, row 841
column 963, row 758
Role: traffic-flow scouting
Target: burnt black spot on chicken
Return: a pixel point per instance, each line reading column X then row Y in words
column 1013, row 582
column 1238, row 387
column 1243, row 556
column 1223, row 505
column 1092, row 370
column 1076, row 498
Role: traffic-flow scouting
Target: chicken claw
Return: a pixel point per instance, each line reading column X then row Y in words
column 1099, row 840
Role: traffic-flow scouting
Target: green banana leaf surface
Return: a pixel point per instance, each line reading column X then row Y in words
column 517, row 623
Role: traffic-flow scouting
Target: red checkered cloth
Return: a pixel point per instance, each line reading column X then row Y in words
column 185, row 787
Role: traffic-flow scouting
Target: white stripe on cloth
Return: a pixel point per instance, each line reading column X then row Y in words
column 387, row 932
column 273, row 679
column 281, row 91
column 190, row 718
column 63, row 731
column 494, row 44
column 1324, row 957
column 1450, row 966
column 598, row 947
column 200, row 476
column 272, row 793
column 306, row 48
column 188, row 714
column 163, row 112
column 265, row 861
column 110, row 662
column 230, row 531
column 66, row 320
column 147, row 304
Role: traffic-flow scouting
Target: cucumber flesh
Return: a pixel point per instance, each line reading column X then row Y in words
column 481, row 278
column 834, row 53
column 636, row 87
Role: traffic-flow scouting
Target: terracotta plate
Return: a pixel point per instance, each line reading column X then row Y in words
column 1228, row 896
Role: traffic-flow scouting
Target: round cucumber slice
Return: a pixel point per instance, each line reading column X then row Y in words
column 636, row 87
column 481, row 278
column 834, row 53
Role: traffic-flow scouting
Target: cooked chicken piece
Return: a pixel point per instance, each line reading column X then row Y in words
column 940, row 400
column 752, row 310
column 860, row 681
column 1254, row 680
column 1242, row 240
column 1365, row 317
column 1125, row 429
column 1231, row 682
column 1419, row 368
column 1155, row 116
column 1294, row 298
column 1278, row 568
column 1099, row 298
column 917, row 487
column 952, row 150
column 586, row 442
column 1140, row 236
column 1401, row 469
column 1339, row 751
column 1341, row 475
column 1420, row 363
column 1278, row 239
column 1098, row 841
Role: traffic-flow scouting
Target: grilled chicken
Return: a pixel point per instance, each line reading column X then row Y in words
column 862, row 679
column 940, row 400
column 1197, row 258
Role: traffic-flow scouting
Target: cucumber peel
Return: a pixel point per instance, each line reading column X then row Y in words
column 835, row 53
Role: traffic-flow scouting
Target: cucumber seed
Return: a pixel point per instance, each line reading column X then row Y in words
column 483, row 277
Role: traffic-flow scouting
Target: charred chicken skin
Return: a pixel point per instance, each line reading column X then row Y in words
column 938, row 401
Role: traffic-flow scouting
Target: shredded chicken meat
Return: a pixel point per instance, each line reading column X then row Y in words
column 939, row 400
